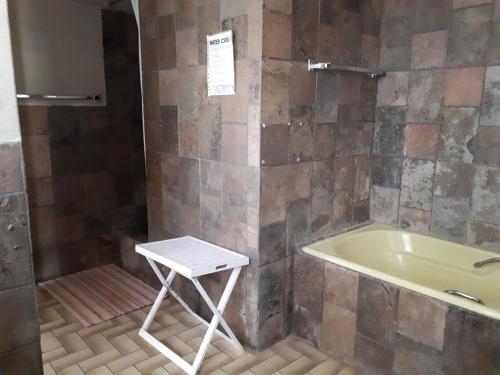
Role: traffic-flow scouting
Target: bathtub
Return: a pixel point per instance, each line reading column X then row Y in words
column 424, row 264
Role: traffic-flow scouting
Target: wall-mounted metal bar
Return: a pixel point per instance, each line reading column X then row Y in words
column 92, row 98
column 329, row 66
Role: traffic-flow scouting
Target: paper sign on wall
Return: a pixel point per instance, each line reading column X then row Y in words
column 220, row 64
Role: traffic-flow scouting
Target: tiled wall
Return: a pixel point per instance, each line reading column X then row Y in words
column 19, row 331
column 437, row 133
column 316, row 138
column 202, row 156
column 85, row 165
column 384, row 329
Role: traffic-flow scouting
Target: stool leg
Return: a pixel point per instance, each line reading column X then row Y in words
column 216, row 319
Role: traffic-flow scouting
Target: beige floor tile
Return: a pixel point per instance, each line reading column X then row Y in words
column 228, row 348
column 46, row 327
column 269, row 366
column 164, row 318
column 72, row 370
column 215, row 362
column 53, row 354
column 328, row 367
column 152, row 363
column 103, row 370
column 191, row 333
column 196, row 343
column 49, row 342
column 129, row 371
column 348, row 371
column 127, row 361
column 100, row 360
column 298, row 367
column 98, row 328
column 48, row 370
column 118, row 330
column 308, row 351
column 98, row 343
column 284, row 350
column 71, row 359
column 124, row 344
column 67, row 329
column 73, row 342
column 177, row 345
column 159, row 371
column 165, row 333
column 241, row 364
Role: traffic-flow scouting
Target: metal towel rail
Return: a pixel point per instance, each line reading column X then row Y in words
column 329, row 66
column 464, row 295
column 92, row 98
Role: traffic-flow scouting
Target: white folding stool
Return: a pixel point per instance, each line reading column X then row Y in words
column 191, row 258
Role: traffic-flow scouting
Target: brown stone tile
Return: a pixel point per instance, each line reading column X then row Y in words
column 189, row 140
column 208, row 23
column 211, row 218
column 399, row 8
column 185, row 14
column 307, row 324
column 239, row 26
column 377, row 358
column 429, row 50
column 304, row 29
column 360, row 212
column 211, row 177
column 34, row 119
column 190, row 182
column 324, row 141
column 276, row 91
column 234, row 235
column 377, row 310
column 431, row 16
column 341, row 287
column 344, row 174
column 326, row 98
column 487, row 146
column 272, row 242
column 395, row 44
column 299, row 181
column 422, row 318
column 169, row 129
column 234, row 192
column 297, row 224
column 459, row 127
column 384, row 203
column 486, row 236
column 496, row 11
column 37, row 156
column 277, row 34
column 167, row 55
column 309, row 283
column 490, row 108
column 70, row 228
column 152, row 133
column 463, row 87
column 273, row 194
column 393, row 89
column 322, row 197
column 283, row 6
column 189, row 83
column 210, row 132
column 371, row 12
column 168, row 87
column 362, row 178
column 416, row 184
column 171, row 222
column 342, row 209
column 338, row 331
column 10, row 168
column 469, row 34
column 23, row 359
column 302, row 84
column 150, row 86
column 421, row 140
column 19, row 323
column 413, row 357
column 486, row 195
column 469, row 3
column 234, row 144
column 493, row 56
column 449, row 218
column 386, row 171
column 170, row 174
column 300, row 134
column 424, row 101
column 388, row 137
column 274, row 145
column 187, row 47
column 271, row 289
column 370, row 50
column 329, row 42
column 149, row 54
column 414, row 220
column 40, row 191
column 190, row 220
column 454, row 180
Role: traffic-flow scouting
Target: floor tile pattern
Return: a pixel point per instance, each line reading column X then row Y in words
column 114, row 347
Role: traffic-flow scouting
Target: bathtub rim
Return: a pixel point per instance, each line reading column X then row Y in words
column 483, row 310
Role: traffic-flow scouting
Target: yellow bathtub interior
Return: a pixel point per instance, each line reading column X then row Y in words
column 421, row 263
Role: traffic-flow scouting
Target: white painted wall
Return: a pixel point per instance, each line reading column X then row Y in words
column 57, row 47
column 9, row 118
